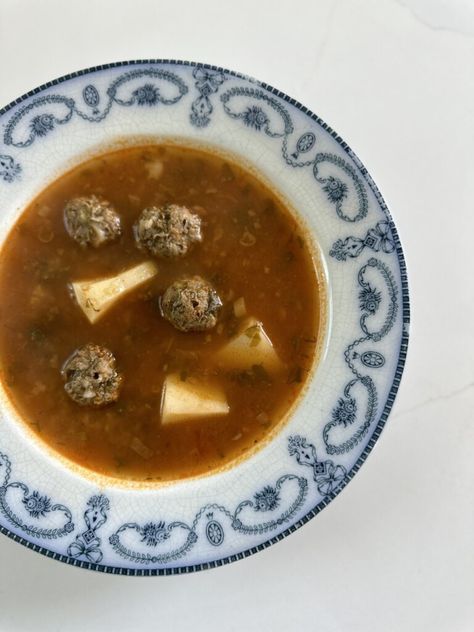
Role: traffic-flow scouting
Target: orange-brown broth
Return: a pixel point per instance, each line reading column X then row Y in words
column 40, row 325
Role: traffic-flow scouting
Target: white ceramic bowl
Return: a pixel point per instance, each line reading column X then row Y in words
column 97, row 523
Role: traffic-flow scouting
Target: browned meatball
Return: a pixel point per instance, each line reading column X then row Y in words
column 91, row 221
column 168, row 231
column 191, row 304
column 91, row 376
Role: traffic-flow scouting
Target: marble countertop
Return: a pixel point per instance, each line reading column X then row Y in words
column 394, row 551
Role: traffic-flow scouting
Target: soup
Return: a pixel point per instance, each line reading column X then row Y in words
column 157, row 355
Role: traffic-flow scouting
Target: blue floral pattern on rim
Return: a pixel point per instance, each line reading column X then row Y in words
column 32, row 513
column 34, row 516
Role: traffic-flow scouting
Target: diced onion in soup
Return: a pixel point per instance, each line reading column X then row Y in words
column 240, row 309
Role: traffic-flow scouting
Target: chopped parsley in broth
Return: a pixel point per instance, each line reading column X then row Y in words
column 160, row 312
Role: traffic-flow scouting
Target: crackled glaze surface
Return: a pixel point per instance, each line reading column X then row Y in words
column 221, row 518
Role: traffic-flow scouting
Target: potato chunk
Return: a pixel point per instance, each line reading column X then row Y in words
column 182, row 401
column 250, row 347
column 95, row 298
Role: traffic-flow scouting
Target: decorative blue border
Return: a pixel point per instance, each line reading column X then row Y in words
column 398, row 372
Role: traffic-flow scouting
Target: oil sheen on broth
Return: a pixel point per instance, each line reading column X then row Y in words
column 252, row 252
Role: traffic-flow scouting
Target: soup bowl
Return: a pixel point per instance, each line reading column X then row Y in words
column 127, row 527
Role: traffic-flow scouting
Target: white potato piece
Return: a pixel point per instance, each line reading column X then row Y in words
column 95, row 298
column 251, row 346
column 185, row 400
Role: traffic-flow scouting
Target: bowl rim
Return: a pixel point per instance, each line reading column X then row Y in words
column 405, row 300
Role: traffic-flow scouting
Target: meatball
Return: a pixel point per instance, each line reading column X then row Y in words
column 191, row 304
column 91, row 221
column 168, row 231
column 91, row 376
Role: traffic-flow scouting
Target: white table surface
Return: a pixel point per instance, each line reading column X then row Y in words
column 394, row 552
